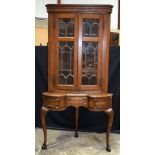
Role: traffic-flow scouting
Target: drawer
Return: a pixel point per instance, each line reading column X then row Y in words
column 77, row 101
column 55, row 102
column 97, row 103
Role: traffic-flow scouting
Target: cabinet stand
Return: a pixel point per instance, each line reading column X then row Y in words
column 94, row 102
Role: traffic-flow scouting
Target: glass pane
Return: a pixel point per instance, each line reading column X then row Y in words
column 66, row 27
column 89, row 63
column 90, row 27
column 65, row 63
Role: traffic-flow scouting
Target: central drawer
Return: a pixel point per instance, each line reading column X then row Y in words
column 77, row 101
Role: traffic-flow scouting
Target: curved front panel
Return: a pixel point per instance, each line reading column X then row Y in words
column 55, row 103
column 99, row 103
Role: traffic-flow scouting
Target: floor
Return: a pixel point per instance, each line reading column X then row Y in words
column 64, row 143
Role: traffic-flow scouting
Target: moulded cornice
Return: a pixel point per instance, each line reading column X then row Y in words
column 66, row 8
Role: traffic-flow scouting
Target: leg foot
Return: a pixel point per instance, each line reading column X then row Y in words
column 108, row 148
column 44, row 147
column 76, row 134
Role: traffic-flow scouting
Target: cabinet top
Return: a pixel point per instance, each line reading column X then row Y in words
column 82, row 8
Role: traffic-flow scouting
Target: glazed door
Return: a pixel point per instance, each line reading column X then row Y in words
column 65, row 56
column 89, row 52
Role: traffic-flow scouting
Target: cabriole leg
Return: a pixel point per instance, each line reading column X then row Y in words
column 43, row 122
column 110, row 114
column 76, row 121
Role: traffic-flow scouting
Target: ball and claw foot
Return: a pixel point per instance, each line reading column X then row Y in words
column 108, row 148
column 76, row 134
column 44, row 147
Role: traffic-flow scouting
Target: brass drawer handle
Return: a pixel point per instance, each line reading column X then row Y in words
column 99, row 100
column 101, row 106
column 54, row 100
column 53, row 106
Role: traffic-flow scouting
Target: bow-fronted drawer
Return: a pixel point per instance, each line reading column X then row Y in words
column 99, row 102
column 55, row 101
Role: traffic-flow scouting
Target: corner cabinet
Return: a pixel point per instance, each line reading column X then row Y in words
column 78, row 60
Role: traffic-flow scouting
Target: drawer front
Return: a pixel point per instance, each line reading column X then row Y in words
column 100, row 103
column 77, row 101
column 55, row 103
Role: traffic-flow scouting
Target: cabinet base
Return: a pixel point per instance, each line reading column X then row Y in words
column 94, row 102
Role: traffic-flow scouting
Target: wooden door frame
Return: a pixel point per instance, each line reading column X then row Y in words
column 99, row 40
column 75, row 40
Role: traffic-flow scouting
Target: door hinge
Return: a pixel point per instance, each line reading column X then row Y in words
column 53, row 79
column 53, row 21
column 103, row 24
column 101, row 80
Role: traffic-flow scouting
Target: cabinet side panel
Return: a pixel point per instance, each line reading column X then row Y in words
column 50, row 52
column 105, row 51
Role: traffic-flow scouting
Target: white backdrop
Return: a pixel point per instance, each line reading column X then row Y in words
column 40, row 10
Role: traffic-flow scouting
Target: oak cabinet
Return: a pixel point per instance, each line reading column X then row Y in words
column 78, row 60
